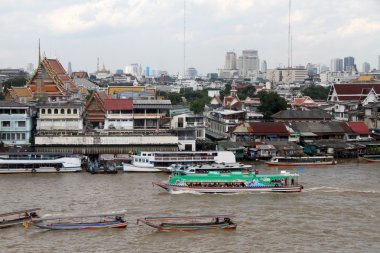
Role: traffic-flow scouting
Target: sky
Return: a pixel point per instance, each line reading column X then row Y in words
column 151, row 32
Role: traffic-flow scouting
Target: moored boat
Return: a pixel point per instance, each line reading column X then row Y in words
column 301, row 161
column 190, row 223
column 113, row 220
column 160, row 161
column 18, row 217
column 370, row 158
column 24, row 162
column 234, row 182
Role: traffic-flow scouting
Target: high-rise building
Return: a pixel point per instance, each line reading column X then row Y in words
column 230, row 60
column 147, row 71
column 69, row 70
column 336, row 65
column 191, row 73
column 366, row 67
column 249, row 61
column 349, row 63
column 264, row 66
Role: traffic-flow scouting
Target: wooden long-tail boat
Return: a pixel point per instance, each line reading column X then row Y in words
column 371, row 158
column 189, row 223
column 113, row 220
column 18, row 217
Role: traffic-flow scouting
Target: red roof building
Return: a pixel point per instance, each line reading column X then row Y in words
column 51, row 80
column 259, row 131
column 359, row 128
column 363, row 93
column 118, row 104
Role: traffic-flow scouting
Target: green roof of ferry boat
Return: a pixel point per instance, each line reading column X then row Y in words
column 214, row 176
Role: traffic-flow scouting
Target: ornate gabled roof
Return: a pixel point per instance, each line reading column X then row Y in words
column 19, row 92
column 54, row 77
column 354, row 91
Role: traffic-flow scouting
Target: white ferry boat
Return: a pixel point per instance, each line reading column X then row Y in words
column 24, row 162
column 160, row 161
column 303, row 160
column 206, row 168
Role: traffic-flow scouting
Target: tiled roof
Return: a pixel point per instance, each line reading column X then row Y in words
column 359, row 127
column 355, row 91
column 4, row 103
column 295, row 114
column 262, row 128
column 318, row 127
column 21, row 91
column 118, row 104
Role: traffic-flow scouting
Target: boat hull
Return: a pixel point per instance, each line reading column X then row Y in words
column 191, row 227
column 15, row 222
column 132, row 168
column 178, row 188
column 300, row 164
column 40, row 170
column 371, row 160
column 78, row 226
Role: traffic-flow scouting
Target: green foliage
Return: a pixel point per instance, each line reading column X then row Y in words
column 316, row 92
column 15, row 82
column 174, row 97
column 226, row 91
column 271, row 103
column 247, row 91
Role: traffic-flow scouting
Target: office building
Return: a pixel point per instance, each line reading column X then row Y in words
column 366, row 67
column 230, row 60
column 336, row 65
column 349, row 63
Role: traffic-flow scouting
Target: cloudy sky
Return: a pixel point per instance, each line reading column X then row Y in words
column 150, row 32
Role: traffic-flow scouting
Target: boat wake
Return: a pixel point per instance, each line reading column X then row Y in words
column 337, row 189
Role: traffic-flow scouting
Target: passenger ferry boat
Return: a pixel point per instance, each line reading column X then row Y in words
column 234, row 182
column 24, row 162
column 301, row 161
column 160, row 161
column 205, row 168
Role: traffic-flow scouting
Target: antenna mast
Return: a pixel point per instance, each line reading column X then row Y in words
column 184, row 39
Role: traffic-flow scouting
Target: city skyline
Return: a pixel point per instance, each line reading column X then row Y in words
column 124, row 32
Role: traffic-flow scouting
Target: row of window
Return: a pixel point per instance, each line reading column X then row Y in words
column 56, row 111
column 13, row 136
column 12, row 111
column 16, row 123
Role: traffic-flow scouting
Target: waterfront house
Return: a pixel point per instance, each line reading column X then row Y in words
column 310, row 131
column 188, row 128
column 119, row 114
column 16, row 123
column 219, row 122
column 60, row 118
column 259, row 131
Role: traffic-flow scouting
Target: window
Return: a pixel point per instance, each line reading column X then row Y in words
column 55, row 111
column 21, row 123
column 68, row 111
column 43, row 111
column 75, row 111
column 62, row 111
column 6, row 124
column 49, row 111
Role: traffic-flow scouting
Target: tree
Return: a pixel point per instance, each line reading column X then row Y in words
column 174, row 97
column 271, row 103
column 198, row 105
column 316, row 92
column 226, row 91
column 15, row 82
column 247, row 91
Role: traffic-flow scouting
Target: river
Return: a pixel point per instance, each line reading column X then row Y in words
column 338, row 211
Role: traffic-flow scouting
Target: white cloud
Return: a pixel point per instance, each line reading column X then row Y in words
column 358, row 26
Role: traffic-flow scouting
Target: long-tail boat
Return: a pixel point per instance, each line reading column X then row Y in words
column 190, row 223
column 371, row 158
column 18, row 217
column 233, row 182
column 113, row 220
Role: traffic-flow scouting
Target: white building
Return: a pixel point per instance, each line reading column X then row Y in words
column 248, row 63
column 287, row 75
column 60, row 117
column 230, row 62
column 336, row 65
column 366, row 67
column 264, row 66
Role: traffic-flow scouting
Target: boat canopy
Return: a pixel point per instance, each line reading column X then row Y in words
column 82, row 217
